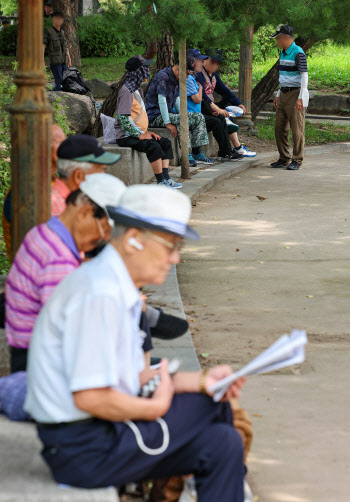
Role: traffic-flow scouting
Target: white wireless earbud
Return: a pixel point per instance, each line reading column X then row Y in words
column 135, row 243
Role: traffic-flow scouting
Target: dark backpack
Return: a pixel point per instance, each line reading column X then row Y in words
column 73, row 81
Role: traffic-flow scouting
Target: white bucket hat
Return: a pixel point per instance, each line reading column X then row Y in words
column 154, row 207
column 104, row 189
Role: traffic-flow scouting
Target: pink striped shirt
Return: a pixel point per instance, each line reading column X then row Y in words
column 46, row 256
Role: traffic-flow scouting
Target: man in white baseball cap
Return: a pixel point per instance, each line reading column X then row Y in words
column 50, row 252
column 86, row 368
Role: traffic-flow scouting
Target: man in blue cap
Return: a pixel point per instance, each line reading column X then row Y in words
column 211, row 81
column 163, row 109
column 215, row 122
column 86, row 369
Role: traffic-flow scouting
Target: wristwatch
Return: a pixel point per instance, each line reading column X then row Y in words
column 202, row 388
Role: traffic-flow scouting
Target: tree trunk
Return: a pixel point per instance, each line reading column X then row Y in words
column 165, row 52
column 70, row 27
column 267, row 85
column 165, row 55
column 245, row 76
column 110, row 103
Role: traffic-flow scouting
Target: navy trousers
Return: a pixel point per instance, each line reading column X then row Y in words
column 203, row 442
column 57, row 71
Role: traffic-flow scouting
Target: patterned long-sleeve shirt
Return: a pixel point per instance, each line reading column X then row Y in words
column 127, row 126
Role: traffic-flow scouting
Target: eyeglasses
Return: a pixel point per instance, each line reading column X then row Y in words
column 173, row 246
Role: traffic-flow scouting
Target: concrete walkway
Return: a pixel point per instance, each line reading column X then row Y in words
column 262, row 268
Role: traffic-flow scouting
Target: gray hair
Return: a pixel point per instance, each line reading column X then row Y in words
column 118, row 231
column 66, row 167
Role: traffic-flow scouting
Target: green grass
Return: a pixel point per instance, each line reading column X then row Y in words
column 108, row 68
column 315, row 134
column 328, row 65
column 329, row 68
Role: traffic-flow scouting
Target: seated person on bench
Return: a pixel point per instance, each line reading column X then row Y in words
column 52, row 250
column 215, row 124
column 163, row 106
column 131, row 124
column 211, row 81
column 59, row 191
column 86, row 369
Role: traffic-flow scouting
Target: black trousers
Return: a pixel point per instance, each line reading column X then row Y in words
column 202, row 442
column 217, row 125
column 57, row 71
column 154, row 149
column 18, row 359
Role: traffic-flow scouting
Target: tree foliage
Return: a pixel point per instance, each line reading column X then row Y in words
column 113, row 5
column 8, row 7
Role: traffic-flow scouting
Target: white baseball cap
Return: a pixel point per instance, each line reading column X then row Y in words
column 104, row 189
column 154, row 207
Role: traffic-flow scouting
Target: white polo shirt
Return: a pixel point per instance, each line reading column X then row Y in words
column 87, row 336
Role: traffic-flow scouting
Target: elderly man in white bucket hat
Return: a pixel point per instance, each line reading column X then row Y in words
column 86, row 369
column 50, row 252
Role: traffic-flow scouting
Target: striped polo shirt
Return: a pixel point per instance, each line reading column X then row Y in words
column 46, row 256
column 292, row 64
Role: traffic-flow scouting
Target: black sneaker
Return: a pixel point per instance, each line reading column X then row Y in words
column 223, row 158
column 236, row 156
column 278, row 164
column 293, row 166
column 169, row 327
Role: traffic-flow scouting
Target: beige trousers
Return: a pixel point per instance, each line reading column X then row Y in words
column 287, row 117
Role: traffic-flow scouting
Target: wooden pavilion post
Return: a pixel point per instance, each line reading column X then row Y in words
column 31, row 118
column 185, row 165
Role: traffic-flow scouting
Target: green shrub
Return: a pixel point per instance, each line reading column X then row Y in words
column 8, row 40
column 109, row 35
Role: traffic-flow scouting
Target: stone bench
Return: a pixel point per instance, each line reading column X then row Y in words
column 25, row 477
column 134, row 167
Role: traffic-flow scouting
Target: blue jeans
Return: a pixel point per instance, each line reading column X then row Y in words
column 57, row 70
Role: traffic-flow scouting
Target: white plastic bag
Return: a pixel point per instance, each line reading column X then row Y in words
column 109, row 135
column 235, row 110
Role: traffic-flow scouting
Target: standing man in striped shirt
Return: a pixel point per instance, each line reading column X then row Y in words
column 291, row 100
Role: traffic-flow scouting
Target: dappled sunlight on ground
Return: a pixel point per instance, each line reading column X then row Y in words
column 252, row 228
column 262, row 268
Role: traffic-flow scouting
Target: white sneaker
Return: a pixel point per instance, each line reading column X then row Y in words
column 243, row 150
column 173, row 183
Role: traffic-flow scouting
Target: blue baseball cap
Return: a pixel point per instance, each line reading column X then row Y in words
column 195, row 53
column 214, row 55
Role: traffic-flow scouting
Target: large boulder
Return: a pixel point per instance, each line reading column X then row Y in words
column 98, row 88
column 329, row 104
column 81, row 112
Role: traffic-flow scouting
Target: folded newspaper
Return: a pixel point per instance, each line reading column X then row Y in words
column 286, row 351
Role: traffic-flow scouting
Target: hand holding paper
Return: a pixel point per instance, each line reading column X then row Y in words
column 286, row 351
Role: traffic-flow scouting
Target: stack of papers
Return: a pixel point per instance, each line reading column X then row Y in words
column 286, row 351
